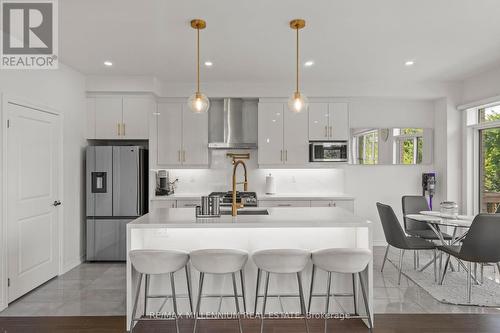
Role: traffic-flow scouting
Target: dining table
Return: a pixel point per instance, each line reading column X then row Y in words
column 437, row 221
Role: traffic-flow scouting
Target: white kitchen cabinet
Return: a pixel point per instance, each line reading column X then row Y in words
column 283, row 135
column 339, row 121
column 194, row 137
column 181, row 136
column 347, row 204
column 270, row 133
column 284, row 203
column 108, row 117
column 169, row 134
column 318, row 121
column 118, row 117
column 154, row 204
column 328, row 121
column 135, row 118
column 296, row 142
column 188, row 203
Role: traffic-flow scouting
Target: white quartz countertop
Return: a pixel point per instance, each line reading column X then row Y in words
column 265, row 197
column 279, row 217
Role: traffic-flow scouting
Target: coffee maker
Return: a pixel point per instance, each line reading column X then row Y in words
column 429, row 186
column 163, row 185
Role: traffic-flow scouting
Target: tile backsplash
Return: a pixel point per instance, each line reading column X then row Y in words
column 288, row 181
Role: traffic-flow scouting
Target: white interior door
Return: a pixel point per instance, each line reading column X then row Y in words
column 33, row 176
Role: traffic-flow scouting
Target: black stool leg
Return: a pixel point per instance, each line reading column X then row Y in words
column 311, row 288
column 328, row 292
column 365, row 299
column 264, row 303
column 257, row 292
column 188, row 281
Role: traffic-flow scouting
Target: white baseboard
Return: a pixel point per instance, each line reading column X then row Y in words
column 72, row 264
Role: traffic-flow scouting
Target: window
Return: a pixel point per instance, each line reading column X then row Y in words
column 489, row 164
column 490, row 113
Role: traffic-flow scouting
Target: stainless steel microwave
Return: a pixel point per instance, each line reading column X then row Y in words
column 328, row 151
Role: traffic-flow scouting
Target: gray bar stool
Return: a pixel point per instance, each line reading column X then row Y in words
column 280, row 261
column 156, row 262
column 342, row 260
column 218, row 262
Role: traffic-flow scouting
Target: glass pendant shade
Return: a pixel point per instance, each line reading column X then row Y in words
column 198, row 103
column 298, row 102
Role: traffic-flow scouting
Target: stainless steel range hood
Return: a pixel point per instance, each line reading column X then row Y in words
column 233, row 124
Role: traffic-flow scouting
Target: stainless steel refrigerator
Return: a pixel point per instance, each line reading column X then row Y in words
column 116, row 194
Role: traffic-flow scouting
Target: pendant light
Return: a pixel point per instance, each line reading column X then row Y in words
column 297, row 102
column 198, row 102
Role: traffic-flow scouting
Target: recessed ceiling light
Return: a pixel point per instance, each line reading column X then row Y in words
column 309, row 63
column 108, row 63
column 209, row 63
column 409, row 62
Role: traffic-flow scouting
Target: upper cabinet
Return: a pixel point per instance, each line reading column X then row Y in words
column 181, row 136
column 282, row 137
column 328, row 121
column 118, row 117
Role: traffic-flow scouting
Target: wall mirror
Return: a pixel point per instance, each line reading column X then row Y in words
column 385, row 146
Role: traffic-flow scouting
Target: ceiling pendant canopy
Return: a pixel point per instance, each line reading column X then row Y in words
column 198, row 102
column 298, row 101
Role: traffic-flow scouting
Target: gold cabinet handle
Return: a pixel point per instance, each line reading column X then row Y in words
column 118, row 128
column 286, row 155
column 183, row 156
column 123, row 129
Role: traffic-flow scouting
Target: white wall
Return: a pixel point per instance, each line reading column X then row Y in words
column 481, row 86
column 64, row 91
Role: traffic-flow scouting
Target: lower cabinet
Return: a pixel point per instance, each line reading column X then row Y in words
column 346, row 204
column 188, row 203
column 284, row 203
column 107, row 239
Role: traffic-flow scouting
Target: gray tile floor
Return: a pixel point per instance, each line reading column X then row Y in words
column 99, row 289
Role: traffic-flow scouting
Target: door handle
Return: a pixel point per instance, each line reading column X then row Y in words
column 56, row 203
column 286, row 155
column 284, row 205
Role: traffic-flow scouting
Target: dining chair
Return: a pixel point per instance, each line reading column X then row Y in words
column 480, row 246
column 396, row 237
column 414, row 204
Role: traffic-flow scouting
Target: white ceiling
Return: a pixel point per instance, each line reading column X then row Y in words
column 349, row 40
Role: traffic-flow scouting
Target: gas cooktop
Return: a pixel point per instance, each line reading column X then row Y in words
column 248, row 199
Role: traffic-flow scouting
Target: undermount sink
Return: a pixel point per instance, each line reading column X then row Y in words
column 247, row 212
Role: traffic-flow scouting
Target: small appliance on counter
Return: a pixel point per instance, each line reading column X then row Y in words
column 449, row 208
column 163, row 184
column 328, row 151
column 270, row 185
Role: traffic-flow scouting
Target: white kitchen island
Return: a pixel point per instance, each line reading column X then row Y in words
column 284, row 227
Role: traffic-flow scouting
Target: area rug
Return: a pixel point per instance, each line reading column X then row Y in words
column 454, row 288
